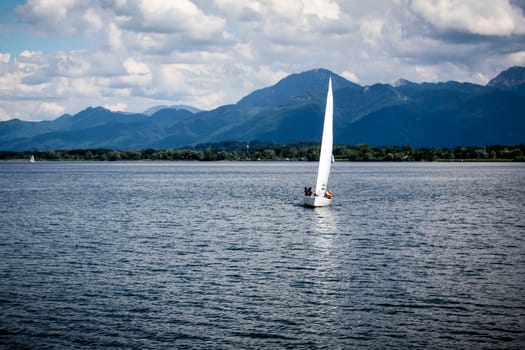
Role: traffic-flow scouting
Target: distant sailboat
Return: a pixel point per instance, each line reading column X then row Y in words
column 32, row 159
column 322, row 196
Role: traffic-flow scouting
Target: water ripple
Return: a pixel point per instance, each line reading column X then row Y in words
column 223, row 255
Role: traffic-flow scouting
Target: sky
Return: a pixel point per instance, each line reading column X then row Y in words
column 62, row 56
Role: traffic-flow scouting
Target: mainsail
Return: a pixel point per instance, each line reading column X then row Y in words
column 325, row 158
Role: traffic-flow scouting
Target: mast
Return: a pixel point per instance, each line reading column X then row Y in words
column 325, row 157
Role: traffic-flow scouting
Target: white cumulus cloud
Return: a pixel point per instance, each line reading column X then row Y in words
column 325, row 9
column 116, row 107
column 50, row 109
column 5, row 57
column 208, row 53
column 495, row 17
column 4, row 115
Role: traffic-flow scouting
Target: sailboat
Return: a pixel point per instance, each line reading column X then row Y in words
column 32, row 159
column 322, row 196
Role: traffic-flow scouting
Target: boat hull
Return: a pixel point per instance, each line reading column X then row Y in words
column 316, row 201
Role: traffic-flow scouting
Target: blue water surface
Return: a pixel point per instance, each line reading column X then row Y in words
column 153, row 255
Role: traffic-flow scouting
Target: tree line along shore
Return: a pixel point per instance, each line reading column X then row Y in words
column 238, row 151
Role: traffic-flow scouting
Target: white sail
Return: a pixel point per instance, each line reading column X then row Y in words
column 325, row 158
column 32, row 159
column 320, row 197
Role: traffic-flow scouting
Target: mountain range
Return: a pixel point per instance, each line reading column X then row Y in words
column 446, row 114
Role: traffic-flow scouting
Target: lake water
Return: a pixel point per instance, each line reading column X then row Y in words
column 223, row 255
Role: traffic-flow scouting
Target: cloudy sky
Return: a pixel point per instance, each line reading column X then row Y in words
column 61, row 56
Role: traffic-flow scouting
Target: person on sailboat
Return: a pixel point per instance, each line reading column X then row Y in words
column 328, row 194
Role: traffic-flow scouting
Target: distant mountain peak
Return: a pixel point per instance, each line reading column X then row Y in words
column 295, row 87
column 402, row 82
column 509, row 79
column 152, row 110
column 97, row 108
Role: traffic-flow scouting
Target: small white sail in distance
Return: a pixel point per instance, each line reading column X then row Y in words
column 319, row 199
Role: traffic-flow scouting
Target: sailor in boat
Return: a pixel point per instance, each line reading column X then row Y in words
column 308, row 192
column 328, row 194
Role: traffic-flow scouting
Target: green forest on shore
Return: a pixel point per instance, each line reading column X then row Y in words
column 242, row 151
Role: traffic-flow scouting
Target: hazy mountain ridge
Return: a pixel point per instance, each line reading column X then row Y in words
column 406, row 113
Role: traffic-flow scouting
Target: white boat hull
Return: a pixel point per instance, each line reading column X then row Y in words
column 316, row 201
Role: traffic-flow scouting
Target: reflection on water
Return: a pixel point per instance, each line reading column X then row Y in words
column 325, row 220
